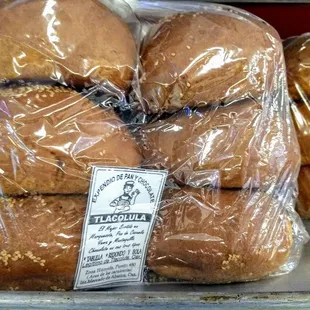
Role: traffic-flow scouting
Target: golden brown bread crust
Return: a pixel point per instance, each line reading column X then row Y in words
column 219, row 236
column 230, row 147
column 301, row 118
column 297, row 56
column 233, row 236
column 51, row 136
column 40, row 240
column 72, row 41
column 203, row 58
column 303, row 202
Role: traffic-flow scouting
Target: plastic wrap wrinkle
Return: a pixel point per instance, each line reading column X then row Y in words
column 58, row 143
column 199, row 78
column 297, row 55
column 266, row 246
column 221, row 139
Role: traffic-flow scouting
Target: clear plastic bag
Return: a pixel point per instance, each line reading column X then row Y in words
column 220, row 236
column 66, row 69
column 213, row 80
column 297, row 55
column 51, row 136
column 50, row 139
column 227, row 213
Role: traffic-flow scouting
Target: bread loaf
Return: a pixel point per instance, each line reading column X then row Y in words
column 40, row 241
column 297, row 56
column 75, row 42
column 231, row 147
column 219, row 236
column 202, row 235
column 303, row 202
column 301, row 118
column 51, row 136
column 194, row 59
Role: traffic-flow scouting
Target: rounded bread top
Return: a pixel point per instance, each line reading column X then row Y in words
column 194, row 59
column 73, row 42
column 297, row 56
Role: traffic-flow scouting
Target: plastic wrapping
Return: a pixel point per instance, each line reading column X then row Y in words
column 69, row 42
column 51, row 135
column 297, row 55
column 50, row 139
column 215, row 77
column 203, row 103
column 227, row 231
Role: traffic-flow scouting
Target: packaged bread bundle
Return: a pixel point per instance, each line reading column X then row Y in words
column 76, row 213
column 52, row 133
column 297, row 56
column 213, row 79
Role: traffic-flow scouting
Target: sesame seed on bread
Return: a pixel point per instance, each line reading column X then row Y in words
column 40, row 246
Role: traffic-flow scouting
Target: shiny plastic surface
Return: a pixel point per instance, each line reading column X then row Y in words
column 51, row 135
column 68, row 42
column 297, row 55
column 228, row 231
column 69, row 100
column 196, row 59
column 213, row 78
column 50, row 139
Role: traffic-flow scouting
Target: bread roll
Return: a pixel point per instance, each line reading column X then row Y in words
column 75, row 42
column 219, row 236
column 231, row 147
column 51, row 136
column 194, row 59
column 301, row 118
column 40, row 241
column 297, row 56
column 303, row 202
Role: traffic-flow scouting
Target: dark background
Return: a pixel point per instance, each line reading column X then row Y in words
column 289, row 19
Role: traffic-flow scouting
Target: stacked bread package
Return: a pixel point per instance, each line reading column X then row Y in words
column 212, row 86
column 60, row 72
column 213, row 79
column 297, row 56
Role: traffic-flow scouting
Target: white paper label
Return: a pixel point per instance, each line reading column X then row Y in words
column 121, row 211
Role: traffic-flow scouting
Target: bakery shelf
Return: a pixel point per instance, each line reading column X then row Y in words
column 286, row 292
